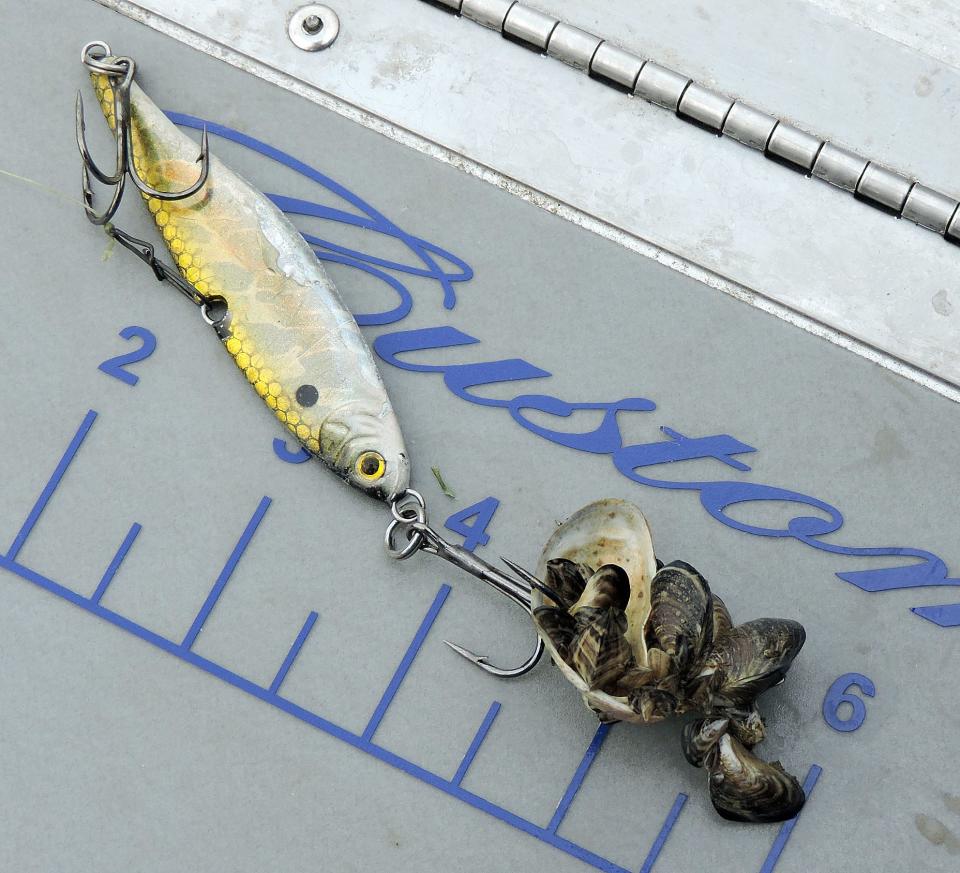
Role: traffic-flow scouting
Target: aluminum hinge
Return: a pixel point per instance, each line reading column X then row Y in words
column 719, row 113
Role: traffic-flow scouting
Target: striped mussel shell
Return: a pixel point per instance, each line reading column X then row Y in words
column 722, row 622
column 680, row 623
column 746, row 788
column 743, row 787
column 747, row 660
column 698, row 738
column 597, row 567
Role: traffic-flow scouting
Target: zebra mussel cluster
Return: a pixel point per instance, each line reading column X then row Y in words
column 642, row 641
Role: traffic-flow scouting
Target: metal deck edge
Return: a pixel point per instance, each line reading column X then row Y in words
column 564, row 210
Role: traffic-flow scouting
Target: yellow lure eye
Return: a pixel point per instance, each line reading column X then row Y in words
column 371, row 466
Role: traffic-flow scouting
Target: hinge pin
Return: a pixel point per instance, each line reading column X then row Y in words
column 784, row 143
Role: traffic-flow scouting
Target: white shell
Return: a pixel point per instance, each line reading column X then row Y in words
column 606, row 532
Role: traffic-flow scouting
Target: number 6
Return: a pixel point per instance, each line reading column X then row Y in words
column 838, row 694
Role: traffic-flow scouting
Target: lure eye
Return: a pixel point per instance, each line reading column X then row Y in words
column 371, row 466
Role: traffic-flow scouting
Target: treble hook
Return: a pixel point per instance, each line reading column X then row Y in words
column 120, row 72
column 410, row 521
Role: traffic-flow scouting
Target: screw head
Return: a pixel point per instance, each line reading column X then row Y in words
column 313, row 27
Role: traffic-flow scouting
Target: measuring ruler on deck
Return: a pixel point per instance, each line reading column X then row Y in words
column 416, row 246
column 271, row 695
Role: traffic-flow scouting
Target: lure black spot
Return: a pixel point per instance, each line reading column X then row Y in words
column 307, row 395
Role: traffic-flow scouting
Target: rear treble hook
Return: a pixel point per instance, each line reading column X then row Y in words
column 96, row 57
column 409, row 527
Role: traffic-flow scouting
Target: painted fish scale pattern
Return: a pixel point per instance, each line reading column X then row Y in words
column 242, row 350
column 184, row 246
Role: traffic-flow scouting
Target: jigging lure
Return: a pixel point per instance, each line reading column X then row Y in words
column 639, row 640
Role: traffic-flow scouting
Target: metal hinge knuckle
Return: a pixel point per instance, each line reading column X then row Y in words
column 793, row 147
column 883, row 188
column 929, row 209
column 489, row 13
column 839, row 166
column 615, row 66
column 779, row 140
column 704, row 107
column 661, row 85
column 573, row 46
column 749, row 126
column 529, row 27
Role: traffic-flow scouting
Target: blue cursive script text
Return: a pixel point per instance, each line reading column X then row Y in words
column 635, row 461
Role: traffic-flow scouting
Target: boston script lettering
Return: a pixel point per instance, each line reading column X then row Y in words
column 637, row 462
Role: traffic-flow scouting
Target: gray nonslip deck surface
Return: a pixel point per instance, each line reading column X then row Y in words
column 124, row 748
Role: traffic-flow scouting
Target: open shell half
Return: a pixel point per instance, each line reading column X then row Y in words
column 605, row 532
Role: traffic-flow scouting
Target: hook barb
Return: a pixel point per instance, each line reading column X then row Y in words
column 105, row 216
column 500, row 672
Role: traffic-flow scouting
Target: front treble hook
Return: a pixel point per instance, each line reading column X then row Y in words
column 96, row 57
column 410, row 528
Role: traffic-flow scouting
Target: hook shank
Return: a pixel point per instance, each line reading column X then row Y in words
column 410, row 522
column 96, row 57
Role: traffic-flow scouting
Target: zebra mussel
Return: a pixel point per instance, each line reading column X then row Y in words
column 642, row 641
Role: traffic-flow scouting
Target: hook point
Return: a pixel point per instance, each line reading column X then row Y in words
column 525, row 575
column 482, row 662
column 532, row 581
column 474, row 658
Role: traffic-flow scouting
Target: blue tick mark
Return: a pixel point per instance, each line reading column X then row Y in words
column 292, row 654
column 226, row 573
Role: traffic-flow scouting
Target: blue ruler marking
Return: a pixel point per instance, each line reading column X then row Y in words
column 292, row 654
column 226, row 573
column 311, row 718
column 363, row 743
column 406, row 663
column 478, row 739
column 581, row 773
column 813, row 774
column 51, row 486
column 114, row 565
column 671, row 820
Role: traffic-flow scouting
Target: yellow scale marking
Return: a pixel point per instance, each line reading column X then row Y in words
column 190, row 266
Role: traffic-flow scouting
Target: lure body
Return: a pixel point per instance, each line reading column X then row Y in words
column 288, row 331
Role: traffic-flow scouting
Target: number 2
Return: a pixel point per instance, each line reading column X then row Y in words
column 114, row 366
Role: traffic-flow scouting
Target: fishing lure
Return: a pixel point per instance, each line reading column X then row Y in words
column 272, row 305
column 278, row 313
column 640, row 641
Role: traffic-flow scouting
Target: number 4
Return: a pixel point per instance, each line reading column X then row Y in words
column 475, row 533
